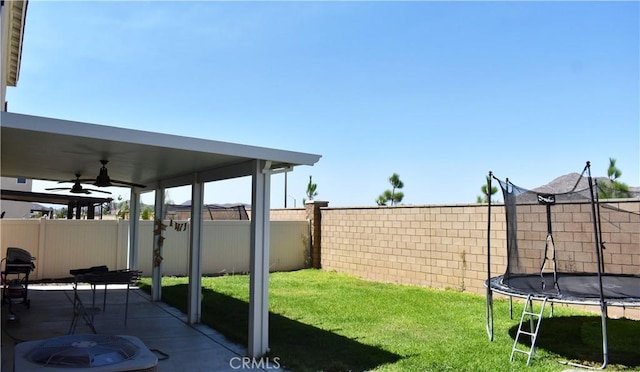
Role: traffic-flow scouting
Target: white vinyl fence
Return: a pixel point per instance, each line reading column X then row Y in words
column 62, row 245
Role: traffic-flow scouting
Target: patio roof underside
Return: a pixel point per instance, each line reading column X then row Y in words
column 51, row 149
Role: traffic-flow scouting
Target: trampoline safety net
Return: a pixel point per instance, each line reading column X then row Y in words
column 209, row 212
column 557, row 241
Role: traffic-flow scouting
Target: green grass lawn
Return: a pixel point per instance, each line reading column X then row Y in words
column 325, row 321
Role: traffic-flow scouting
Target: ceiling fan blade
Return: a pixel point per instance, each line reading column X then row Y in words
column 129, row 183
column 103, row 179
column 82, row 191
column 95, row 190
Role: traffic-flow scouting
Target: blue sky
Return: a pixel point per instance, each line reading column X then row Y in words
column 438, row 92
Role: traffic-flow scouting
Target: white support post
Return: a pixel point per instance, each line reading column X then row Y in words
column 134, row 227
column 195, row 253
column 259, row 265
column 158, row 240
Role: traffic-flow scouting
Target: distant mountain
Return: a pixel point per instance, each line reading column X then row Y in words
column 568, row 182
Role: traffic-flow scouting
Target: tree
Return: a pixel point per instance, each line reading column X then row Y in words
column 311, row 191
column 61, row 213
column 613, row 188
column 123, row 208
column 392, row 196
column 486, row 195
column 146, row 213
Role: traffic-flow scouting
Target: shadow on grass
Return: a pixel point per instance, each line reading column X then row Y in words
column 299, row 346
column 579, row 338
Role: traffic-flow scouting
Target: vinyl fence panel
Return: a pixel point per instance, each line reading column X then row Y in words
column 62, row 245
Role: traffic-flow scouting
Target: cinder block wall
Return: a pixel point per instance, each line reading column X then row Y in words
column 445, row 246
column 435, row 246
column 288, row 214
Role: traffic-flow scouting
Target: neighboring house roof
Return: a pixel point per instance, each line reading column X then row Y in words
column 17, row 11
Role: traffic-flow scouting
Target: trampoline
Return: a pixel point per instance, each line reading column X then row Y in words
column 575, row 288
column 565, row 246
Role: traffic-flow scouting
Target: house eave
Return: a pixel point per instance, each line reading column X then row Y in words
column 17, row 12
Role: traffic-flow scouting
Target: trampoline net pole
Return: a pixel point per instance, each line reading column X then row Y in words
column 605, row 337
column 599, row 226
column 511, row 307
column 603, row 304
column 489, row 304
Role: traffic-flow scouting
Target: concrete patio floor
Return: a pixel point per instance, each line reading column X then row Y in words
column 162, row 328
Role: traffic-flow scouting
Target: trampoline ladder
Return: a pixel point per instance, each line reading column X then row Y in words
column 534, row 318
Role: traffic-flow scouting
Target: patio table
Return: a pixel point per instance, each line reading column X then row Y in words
column 97, row 277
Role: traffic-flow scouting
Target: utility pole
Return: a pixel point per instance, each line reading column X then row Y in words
column 285, row 189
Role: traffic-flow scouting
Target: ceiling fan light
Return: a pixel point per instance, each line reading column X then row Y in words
column 77, row 189
column 102, row 183
column 103, row 179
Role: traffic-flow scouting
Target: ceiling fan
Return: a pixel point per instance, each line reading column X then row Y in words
column 77, row 187
column 103, row 179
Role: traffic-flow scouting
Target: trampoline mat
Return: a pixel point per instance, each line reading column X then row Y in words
column 571, row 286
